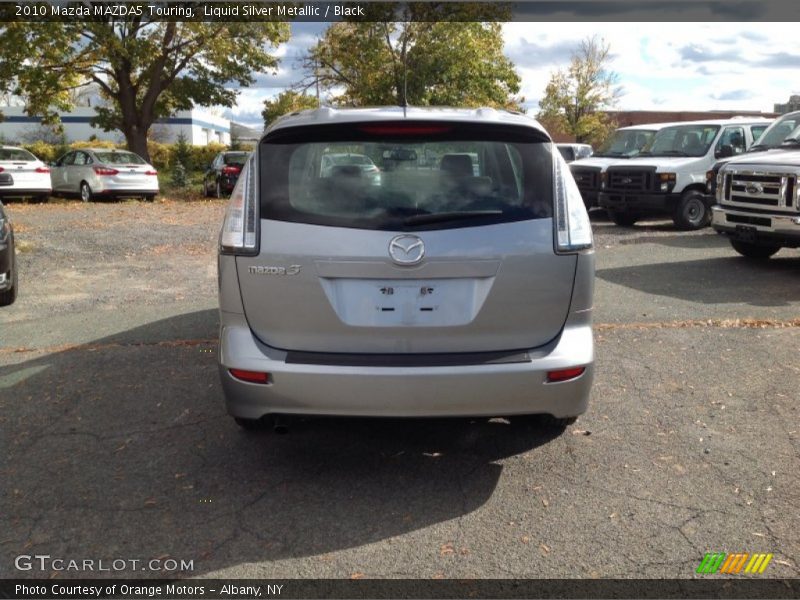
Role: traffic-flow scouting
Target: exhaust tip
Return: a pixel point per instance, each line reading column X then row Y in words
column 280, row 424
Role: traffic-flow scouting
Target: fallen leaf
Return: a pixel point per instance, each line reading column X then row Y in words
column 544, row 548
column 545, row 502
column 357, row 575
column 446, row 549
column 525, row 539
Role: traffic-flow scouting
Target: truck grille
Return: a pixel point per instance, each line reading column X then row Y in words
column 630, row 180
column 587, row 179
column 749, row 188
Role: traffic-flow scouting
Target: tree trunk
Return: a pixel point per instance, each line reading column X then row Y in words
column 136, row 138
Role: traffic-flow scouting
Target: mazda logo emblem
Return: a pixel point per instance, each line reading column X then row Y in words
column 406, row 249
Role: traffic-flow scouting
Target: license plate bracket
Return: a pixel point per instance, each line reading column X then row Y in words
column 746, row 233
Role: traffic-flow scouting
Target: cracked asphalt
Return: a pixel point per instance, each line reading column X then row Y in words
column 115, row 443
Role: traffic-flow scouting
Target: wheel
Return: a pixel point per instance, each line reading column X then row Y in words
column 86, row 192
column 691, row 212
column 760, row 251
column 250, row 424
column 218, row 191
column 544, row 421
column 8, row 297
column 623, row 219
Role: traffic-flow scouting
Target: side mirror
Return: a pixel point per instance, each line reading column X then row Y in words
column 725, row 151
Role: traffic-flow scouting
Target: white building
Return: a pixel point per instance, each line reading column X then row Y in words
column 199, row 127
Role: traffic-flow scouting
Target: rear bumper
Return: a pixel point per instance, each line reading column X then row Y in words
column 642, row 202
column 427, row 391
column 12, row 192
column 765, row 227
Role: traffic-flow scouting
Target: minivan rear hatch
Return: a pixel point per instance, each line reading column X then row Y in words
column 433, row 237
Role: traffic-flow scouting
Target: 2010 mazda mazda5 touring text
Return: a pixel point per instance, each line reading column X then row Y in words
column 458, row 283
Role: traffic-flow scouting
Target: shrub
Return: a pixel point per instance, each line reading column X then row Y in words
column 161, row 155
column 179, row 175
column 43, row 151
column 96, row 144
column 182, row 152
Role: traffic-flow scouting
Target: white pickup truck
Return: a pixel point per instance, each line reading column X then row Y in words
column 758, row 203
column 668, row 177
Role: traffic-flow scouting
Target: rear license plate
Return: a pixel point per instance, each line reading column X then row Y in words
column 746, row 233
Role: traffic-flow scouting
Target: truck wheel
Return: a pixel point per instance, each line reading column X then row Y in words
column 760, row 251
column 622, row 219
column 691, row 212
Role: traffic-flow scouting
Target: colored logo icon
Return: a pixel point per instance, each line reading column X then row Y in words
column 733, row 564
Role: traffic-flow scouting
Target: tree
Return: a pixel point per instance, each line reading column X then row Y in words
column 411, row 60
column 182, row 152
column 575, row 100
column 286, row 102
column 144, row 69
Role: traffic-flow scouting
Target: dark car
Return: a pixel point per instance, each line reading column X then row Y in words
column 8, row 265
column 223, row 173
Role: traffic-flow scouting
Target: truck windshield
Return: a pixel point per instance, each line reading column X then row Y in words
column 626, row 143
column 682, row 140
column 781, row 129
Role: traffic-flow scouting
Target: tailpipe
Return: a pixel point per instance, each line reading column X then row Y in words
column 280, row 424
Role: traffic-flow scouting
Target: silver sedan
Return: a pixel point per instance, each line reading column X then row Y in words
column 94, row 173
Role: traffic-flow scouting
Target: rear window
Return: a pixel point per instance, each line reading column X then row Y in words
column 236, row 158
column 406, row 176
column 120, row 158
column 16, row 154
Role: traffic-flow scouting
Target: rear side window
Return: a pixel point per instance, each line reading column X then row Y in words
column 406, row 176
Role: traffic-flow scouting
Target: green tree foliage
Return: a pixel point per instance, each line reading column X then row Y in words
column 411, row 58
column 182, row 152
column 286, row 102
column 575, row 99
column 144, row 69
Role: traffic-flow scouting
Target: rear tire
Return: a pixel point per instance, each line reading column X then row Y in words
column 8, row 297
column 757, row 251
column 41, row 198
column 622, row 219
column 691, row 212
column 86, row 192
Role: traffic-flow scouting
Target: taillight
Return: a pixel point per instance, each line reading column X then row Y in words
column 573, row 230
column 105, row 171
column 41, row 170
column 151, row 173
column 240, row 227
column 231, row 170
column 250, row 376
column 565, row 374
column 1, row 169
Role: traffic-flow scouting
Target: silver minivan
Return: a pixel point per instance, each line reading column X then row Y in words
column 458, row 284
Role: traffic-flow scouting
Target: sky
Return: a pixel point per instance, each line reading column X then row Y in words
column 661, row 66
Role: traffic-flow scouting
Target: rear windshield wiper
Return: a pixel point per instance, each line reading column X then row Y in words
column 450, row 216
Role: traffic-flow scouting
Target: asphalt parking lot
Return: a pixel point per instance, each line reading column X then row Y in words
column 115, row 443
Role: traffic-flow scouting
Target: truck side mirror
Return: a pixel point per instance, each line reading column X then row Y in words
column 725, row 151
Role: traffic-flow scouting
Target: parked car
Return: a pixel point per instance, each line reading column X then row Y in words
column 572, row 152
column 434, row 293
column 668, row 177
column 783, row 135
column 8, row 264
column 95, row 173
column 626, row 143
column 340, row 163
column 22, row 175
column 758, row 203
column 223, row 173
